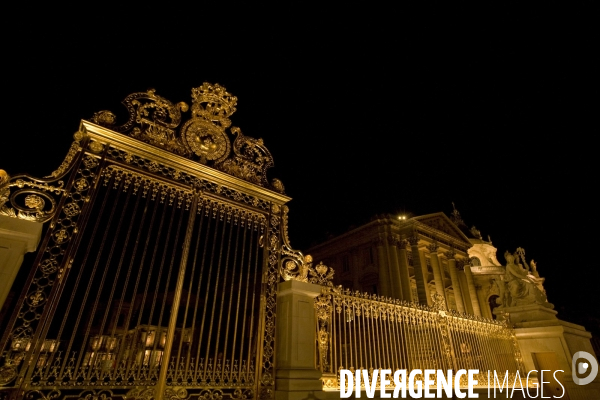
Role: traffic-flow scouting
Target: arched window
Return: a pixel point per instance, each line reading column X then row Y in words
column 475, row 262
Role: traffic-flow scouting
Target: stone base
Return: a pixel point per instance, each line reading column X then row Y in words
column 528, row 313
column 557, row 341
column 296, row 384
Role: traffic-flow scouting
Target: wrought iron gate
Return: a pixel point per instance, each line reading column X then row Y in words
column 157, row 274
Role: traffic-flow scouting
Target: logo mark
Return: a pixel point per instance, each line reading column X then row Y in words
column 582, row 367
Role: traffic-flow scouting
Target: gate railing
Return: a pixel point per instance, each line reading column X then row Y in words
column 365, row 331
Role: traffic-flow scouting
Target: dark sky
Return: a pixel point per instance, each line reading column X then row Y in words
column 365, row 111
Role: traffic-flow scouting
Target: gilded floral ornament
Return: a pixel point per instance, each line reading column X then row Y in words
column 204, row 138
column 321, row 275
column 438, row 302
column 278, row 185
column 68, row 161
column 5, row 194
column 250, row 160
column 104, row 117
column 28, row 198
column 34, row 201
column 3, row 177
column 293, row 264
column 96, row 147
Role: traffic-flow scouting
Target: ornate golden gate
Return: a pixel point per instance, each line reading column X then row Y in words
column 156, row 277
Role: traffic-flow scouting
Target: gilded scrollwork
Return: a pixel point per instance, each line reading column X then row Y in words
column 43, row 395
column 203, row 138
column 250, row 160
column 293, row 264
column 7, row 374
column 439, row 303
column 321, row 274
column 176, row 393
column 5, row 195
column 152, row 119
column 323, row 306
column 28, row 198
column 68, row 161
column 38, row 200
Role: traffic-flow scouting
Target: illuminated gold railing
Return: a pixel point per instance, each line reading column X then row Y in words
column 363, row 331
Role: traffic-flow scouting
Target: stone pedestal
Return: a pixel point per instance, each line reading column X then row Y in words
column 547, row 342
column 296, row 375
column 17, row 237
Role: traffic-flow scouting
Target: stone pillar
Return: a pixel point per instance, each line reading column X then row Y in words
column 404, row 274
column 417, row 264
column 464, row 287
column 296, row 376
column 395, row 268
column 437, row 272
column 483, row 303
column 472, row 289
column 458, row 299
column 425, row 277
column 384, row 270
column 17, row 237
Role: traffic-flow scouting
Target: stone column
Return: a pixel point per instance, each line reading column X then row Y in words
column 484, row 308
column 296, row 376
column 395, row 268
column 472, row 289
column 464, row 287
column 437, row 272
column 421, row 289
column 425, row 276
column 458, row 299
column 384, row 269
column 404, row 274
column 17, row 237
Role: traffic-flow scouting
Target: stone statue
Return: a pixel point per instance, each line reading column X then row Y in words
column 476, row 232
column 533, row 265
column 522, row 288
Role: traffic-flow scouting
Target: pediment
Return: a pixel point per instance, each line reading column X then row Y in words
column 439, row 221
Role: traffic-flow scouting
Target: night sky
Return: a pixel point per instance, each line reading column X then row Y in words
column 364, row 111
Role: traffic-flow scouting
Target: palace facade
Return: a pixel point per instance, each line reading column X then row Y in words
column 411, row 259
